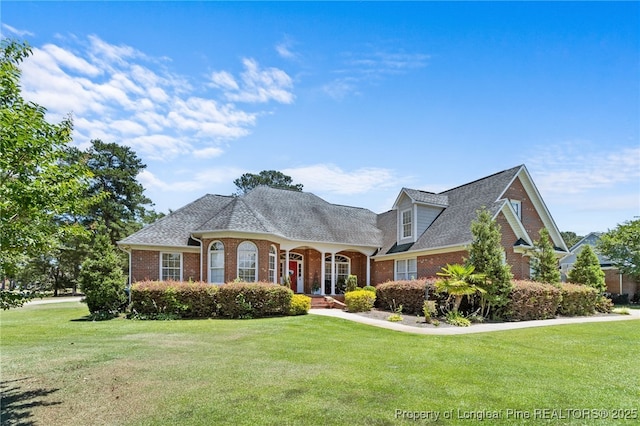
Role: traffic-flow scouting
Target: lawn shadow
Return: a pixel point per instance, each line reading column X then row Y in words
column 17, row 403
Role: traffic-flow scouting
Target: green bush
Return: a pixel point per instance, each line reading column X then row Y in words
column 102, row 281
column 604, row 304
column 173, row 299
column 253, row 300
column 429, row 309
column 410, row 294
column 359, row 300
column 530, row 300
column 369, row 288
column 457, row 319
column 351, row 284
column 300, row 304
column 578, row 300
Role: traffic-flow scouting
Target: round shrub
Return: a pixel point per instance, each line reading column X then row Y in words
column 359, row 300
column 578, row 300
column 300, row 304
column 410, row 294
column 253, row 300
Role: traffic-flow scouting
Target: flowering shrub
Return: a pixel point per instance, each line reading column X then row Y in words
column 359, row 300
column 300, row 304
column 409, row 293
column 578, row 300
column 530, row 300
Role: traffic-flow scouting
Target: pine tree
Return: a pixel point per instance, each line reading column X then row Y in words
column 587, row 270
column 543, row 260
column 101, row 278
column 487, row 256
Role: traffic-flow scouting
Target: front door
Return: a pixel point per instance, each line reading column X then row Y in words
column 293, row 275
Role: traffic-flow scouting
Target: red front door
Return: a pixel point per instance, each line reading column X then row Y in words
column 293, row 275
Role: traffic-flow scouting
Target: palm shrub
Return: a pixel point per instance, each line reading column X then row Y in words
column 587, row 270
column 459, row 281
column 102, row 280
column 486, row 255
column 543, row 260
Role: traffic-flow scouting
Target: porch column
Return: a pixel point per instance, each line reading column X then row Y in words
column 368, row 270
column 333, row 274
column 322, row 273
column 285, row 270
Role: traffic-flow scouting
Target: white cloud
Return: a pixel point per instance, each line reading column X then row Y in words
column 118, row 93
column 210, row 152
column 577, row 167
column 285, row 50
column 330, row 178
column 16, row 31
column 256, row 85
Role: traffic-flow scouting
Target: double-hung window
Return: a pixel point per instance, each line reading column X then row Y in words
column 171, row 266
column 247, row 262
column 216, row 262
column 407, row 223
column 406, row 269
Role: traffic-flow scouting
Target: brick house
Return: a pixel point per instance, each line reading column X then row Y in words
column 617, row 283
column 260, row 235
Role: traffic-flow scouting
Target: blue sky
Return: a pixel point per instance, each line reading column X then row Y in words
column 353, row 100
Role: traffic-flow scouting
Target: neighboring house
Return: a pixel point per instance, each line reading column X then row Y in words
column 257, row 236
column 617, row 283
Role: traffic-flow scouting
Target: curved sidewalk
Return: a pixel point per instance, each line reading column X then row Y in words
column 474, row 328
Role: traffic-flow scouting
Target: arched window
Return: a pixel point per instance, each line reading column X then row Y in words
column 216, row 262
column 247, row 262
column 343, row 269
column 272, row 264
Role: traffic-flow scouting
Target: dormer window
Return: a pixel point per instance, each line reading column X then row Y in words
column 517, row 206
column 407, row 224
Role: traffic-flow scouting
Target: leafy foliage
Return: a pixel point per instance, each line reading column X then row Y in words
column 253, row 300
column 571, row 238
column 531, row 300
column 410, row 294
column 486, row 255
column 300, row 304
column 622, row 246
column 40, row 187
column 359, row 300
column 173, row 300
column 543, row 260
column 578, row 300
column 587, row 270
column 102, row 280
column 459, row 281
column 272, row 178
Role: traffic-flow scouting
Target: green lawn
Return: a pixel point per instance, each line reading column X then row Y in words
column 58, row 369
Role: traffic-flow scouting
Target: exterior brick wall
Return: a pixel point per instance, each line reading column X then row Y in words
column 382, row 272
column 612, row 279
column 191, row 266
column 519, row 263
column 530, row 218
column 428, row 266
column 145, row 265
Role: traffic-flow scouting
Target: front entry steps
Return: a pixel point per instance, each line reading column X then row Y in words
column 327, row 302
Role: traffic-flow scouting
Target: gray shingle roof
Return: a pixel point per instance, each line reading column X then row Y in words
column 297, row 216
column 427, row 197
column 452, row 226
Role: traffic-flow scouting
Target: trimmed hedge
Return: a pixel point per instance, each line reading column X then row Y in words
column 408, row 293
column 253, row 300
column 530, row 300
column 578, row 300
column 153, row 299
column 300, row 304
column 359, row 300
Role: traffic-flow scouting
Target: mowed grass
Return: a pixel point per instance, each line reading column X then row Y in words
column 60, row 370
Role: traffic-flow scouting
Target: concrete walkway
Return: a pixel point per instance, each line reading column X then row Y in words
column 48, row 300
column 475, row 328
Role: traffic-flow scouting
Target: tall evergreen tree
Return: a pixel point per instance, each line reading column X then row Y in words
column 587, row 270
column 272, row 178
column 487, row 256
column 544, row 262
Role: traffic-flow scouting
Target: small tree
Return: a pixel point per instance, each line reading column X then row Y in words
column 459, row 281
column 487, row 256
column 622, row 246
column 587, row 270
column 101, row 279
column 543, row 260
column 272, row 178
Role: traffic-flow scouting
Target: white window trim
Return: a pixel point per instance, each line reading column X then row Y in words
column 161, row 267
column 273, row 257
column 409, row 274
column 209, row 261
column 256, row 269
column 517, row 209
column 402, row 224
